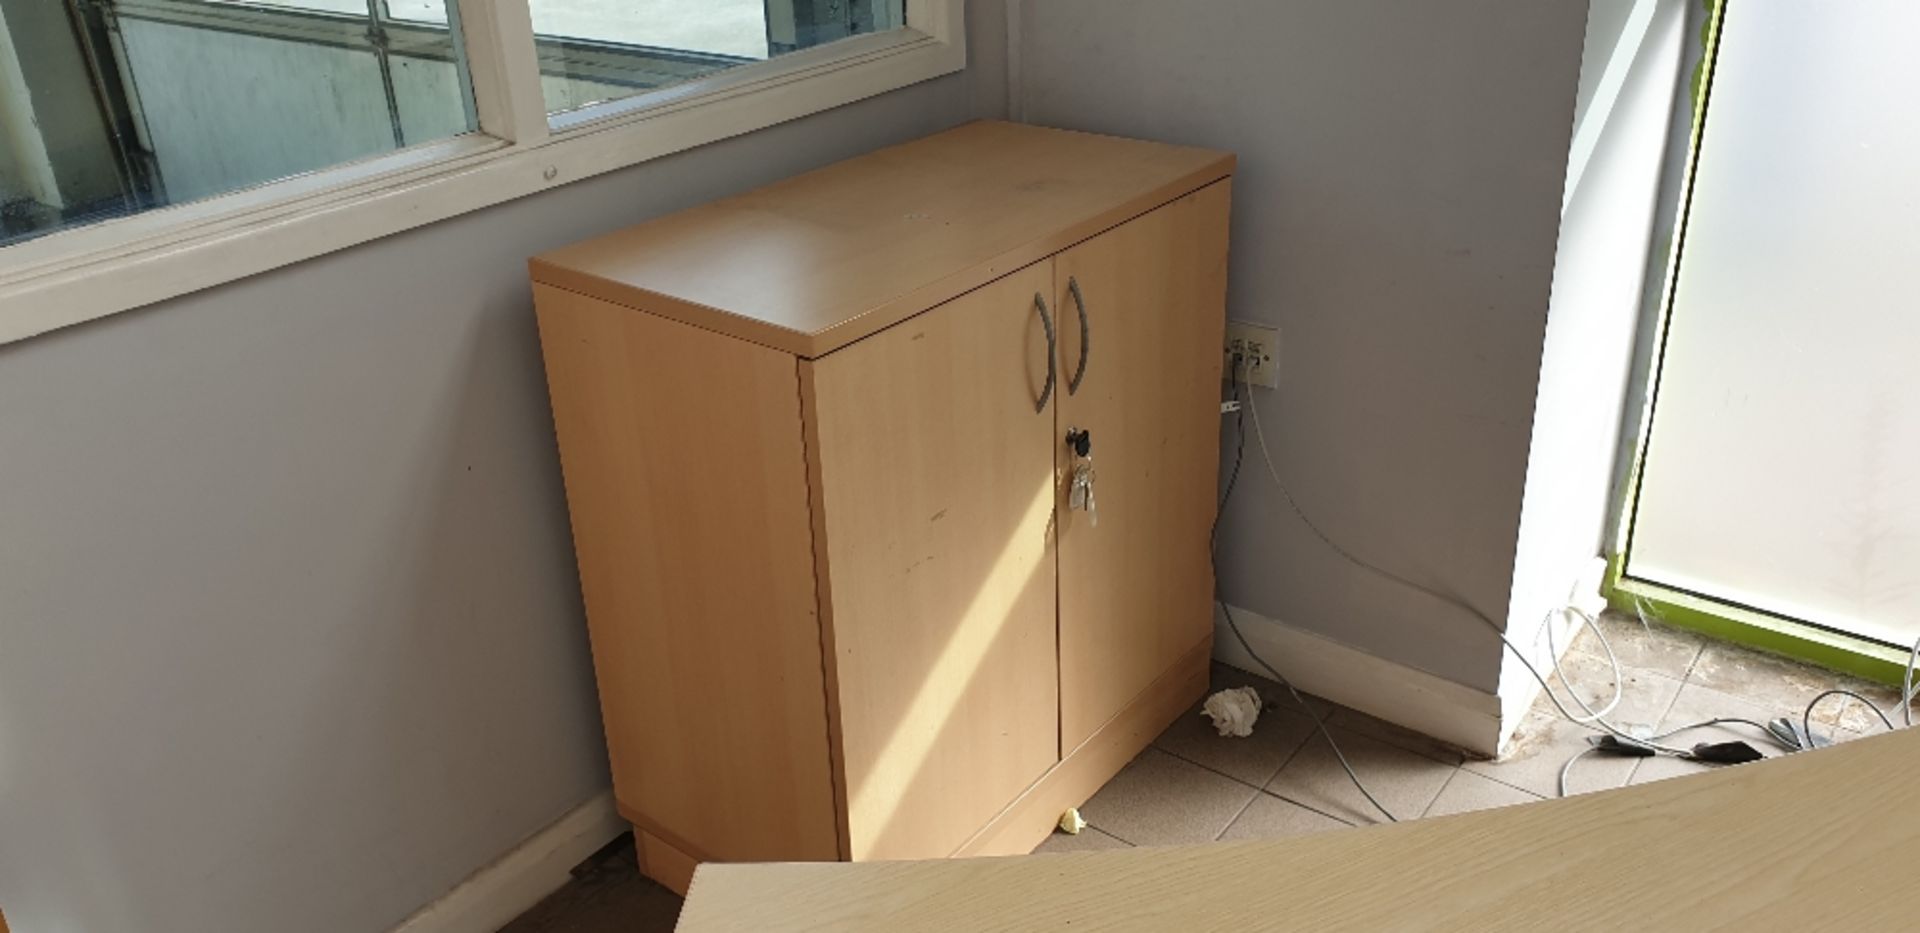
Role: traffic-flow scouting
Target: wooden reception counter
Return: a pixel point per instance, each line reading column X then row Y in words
column 1817, row 840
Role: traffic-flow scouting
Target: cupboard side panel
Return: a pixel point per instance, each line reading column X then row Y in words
column 686, row 482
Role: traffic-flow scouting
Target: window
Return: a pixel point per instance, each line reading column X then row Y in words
column 153, row 147
column 598, row 50
column 137, row 104
column 1773, row 501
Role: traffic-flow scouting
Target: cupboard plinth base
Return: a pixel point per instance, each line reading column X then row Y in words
column 664, row 862
column 1027, row 821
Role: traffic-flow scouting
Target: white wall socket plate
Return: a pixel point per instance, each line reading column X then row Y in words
column 1259, row 348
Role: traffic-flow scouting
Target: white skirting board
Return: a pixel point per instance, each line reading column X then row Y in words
column 1351, row 677
column 519, row 879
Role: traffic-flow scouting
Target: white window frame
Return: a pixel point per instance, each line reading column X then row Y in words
column 96, row 270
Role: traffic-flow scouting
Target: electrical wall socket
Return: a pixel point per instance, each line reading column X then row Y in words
column 1259, row 349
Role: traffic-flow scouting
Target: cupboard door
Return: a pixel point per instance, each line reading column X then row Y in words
column 1136, row 589
column 934, row 498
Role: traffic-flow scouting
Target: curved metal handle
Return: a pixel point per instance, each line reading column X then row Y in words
column 1046, row 321
column 1080, row 302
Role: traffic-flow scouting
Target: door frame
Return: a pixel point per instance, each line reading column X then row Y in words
column 1717, row 617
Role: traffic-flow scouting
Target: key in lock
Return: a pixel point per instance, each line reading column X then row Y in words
column 1080, row 497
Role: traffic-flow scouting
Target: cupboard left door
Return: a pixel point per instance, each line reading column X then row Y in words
column 935, row 444
column 687, row 485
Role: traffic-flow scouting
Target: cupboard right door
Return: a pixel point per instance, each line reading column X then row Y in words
column 934, row 448
column 1146, row 302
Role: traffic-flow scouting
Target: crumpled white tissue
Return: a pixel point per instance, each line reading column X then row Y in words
column 1233, row 711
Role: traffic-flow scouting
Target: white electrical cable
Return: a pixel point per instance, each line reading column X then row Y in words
column 1213, row 541
column 1613, row 661
column 1567, row 768
column 1909, row 688
column 1273, row 472
column 1806, row 718
column 1234, row 626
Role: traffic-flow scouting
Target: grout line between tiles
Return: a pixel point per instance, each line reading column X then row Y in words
column 1207, row 767
column 1350, row 731
column 1311, row 735
column 1262, row 788
column 1511, row 786
column 1313, row 809
column 1113, row 835
column 1660, row 720
column 1238, row 814
column 1424, row 811
column 1523, row 790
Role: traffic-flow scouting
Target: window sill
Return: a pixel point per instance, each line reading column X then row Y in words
column 1753, row 628
column 91, row 272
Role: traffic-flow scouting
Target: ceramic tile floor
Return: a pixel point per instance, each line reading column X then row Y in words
column 1282, row 781
column 1193, row 786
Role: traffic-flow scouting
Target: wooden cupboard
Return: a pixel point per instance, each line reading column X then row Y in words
column 819, row 445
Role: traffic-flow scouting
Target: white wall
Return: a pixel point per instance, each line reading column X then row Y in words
column 290, row 634
column 1606, row 20
column 1395, row 213
column 1598, row 276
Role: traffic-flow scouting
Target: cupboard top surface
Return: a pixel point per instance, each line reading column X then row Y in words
column 815, row 262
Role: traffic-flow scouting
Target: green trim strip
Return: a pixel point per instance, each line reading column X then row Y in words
column 1765, row 631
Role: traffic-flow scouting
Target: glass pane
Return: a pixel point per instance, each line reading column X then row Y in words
column 353, row 7
column 1780, row 463
column 596, row 50
column 120, row 108
column 419, row 11
column 423, row 11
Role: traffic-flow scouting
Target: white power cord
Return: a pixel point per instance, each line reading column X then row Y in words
column 1909, row 688
column 1613, row 661
column 1233, row 479
column 1586, row 619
